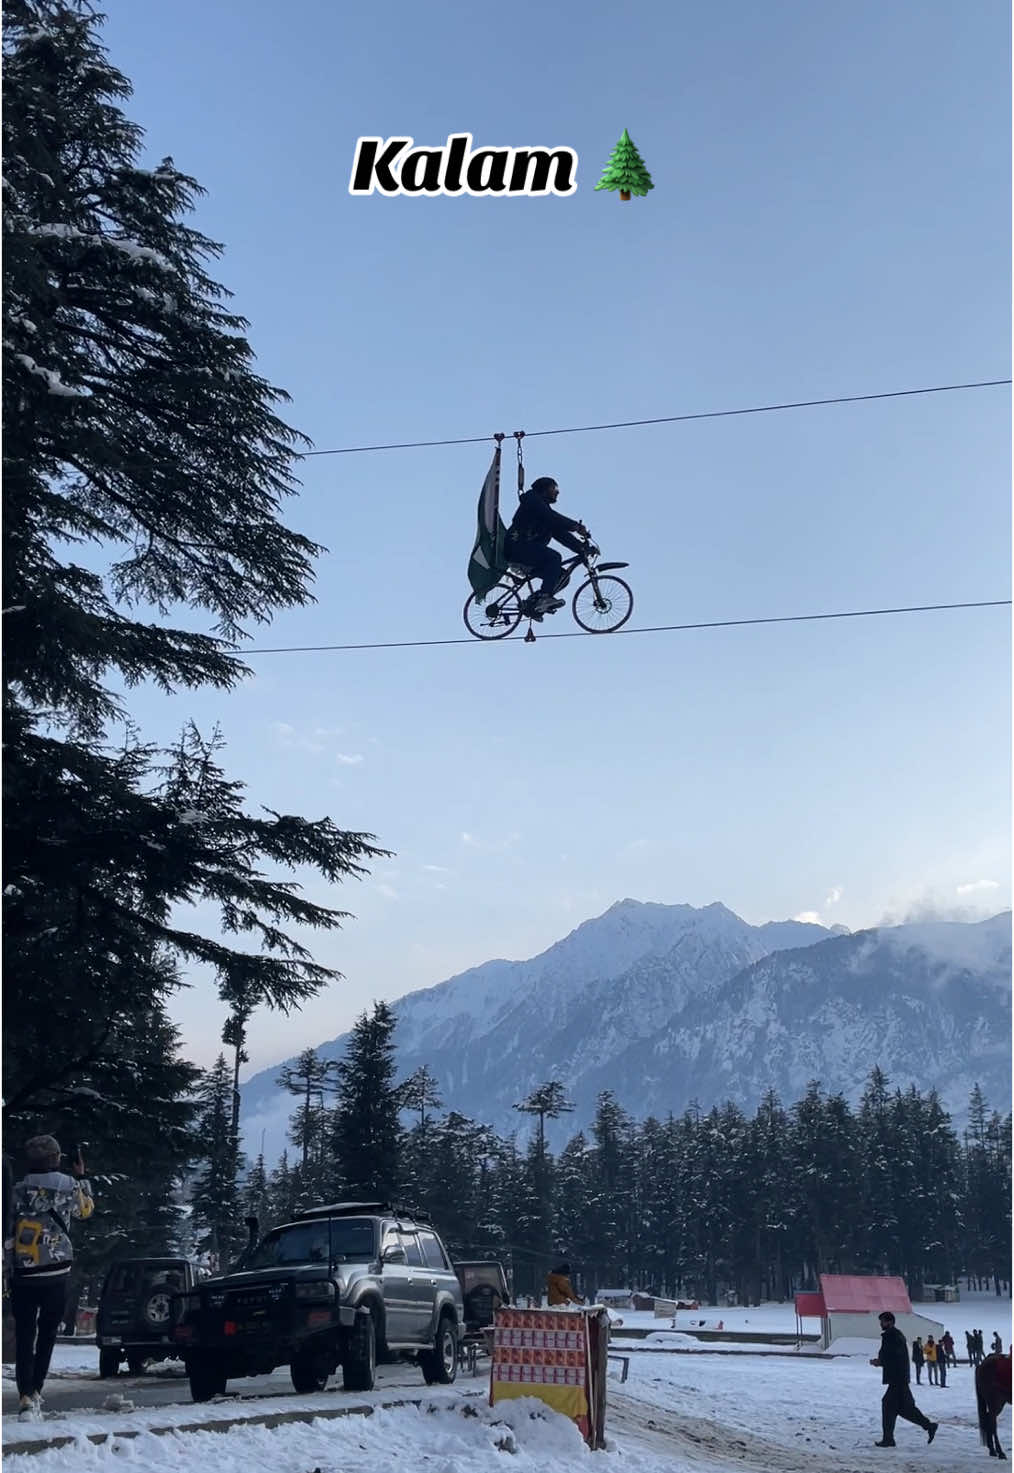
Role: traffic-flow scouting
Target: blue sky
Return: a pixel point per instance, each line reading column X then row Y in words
column 830, row 216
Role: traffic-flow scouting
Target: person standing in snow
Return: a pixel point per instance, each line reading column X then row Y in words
column 947, row 1345
column 917, row 1359
column 997, row 1346
column 559, row 1289
column 40, row 1255
column 897, row 1400
column 930, row 1353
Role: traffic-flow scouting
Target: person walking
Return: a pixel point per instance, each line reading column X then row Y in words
column 947, row 1342
column 917, row 1359
column 41, row 1254
column 930, row 1352
column 970, row 1347
column 980, row 1349
column 897, row 1400
column 997, row 1346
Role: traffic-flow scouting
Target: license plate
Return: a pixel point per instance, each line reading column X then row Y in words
column 111, row 1340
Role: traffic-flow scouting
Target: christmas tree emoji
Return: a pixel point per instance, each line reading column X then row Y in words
column 625, row 171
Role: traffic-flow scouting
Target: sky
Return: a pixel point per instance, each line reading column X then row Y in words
column 830, row 216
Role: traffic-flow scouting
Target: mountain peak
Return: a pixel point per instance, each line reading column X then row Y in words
column 665, row 1003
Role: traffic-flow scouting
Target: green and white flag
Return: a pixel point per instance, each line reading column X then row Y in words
column 487, row 561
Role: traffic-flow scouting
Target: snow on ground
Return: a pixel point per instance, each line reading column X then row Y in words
column 676, row 1413
column 982, row 1311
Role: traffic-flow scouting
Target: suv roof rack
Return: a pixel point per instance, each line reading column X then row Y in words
column 356, row 1209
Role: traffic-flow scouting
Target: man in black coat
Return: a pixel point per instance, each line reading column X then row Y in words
column 535, row 525
column 897, row 1402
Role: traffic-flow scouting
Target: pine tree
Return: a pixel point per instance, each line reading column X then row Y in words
column 282, row 1190
column 366, row 1133
column 216, row 1199
column 824, row 1185
column 882, row 1249
column 769, row 1170
column 133, row 1113
column 611, row 1180
column 420, row 1092
column 307, row 1079
column 625, row 170
column 136, row 425
column 256, row 1196
column 547, row 1102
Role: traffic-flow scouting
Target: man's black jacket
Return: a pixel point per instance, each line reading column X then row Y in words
column 536, row 521
column 894, row 1357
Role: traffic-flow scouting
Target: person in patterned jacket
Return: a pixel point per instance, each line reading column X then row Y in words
column 40, row 1255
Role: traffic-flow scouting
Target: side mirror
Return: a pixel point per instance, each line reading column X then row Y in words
column 395, row 1253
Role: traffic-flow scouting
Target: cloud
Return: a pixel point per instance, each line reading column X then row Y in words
column 436, row 869
column 809, row 918
column 287, row 736
column 834, row 895
column 348, row 761
column 388, row 892
column 974, row 885
column 497, row 846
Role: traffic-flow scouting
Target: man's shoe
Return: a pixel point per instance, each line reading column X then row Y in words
column 931, row 1432
column 545, row 604
column 885, row 1444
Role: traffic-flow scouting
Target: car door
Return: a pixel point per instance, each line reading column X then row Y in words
column 420, row 1289
column 441, row 1276
column 398, row 1289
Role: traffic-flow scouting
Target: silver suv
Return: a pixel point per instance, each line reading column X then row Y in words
column 344, row 1285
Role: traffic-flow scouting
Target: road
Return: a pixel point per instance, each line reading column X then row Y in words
column 167, row 1386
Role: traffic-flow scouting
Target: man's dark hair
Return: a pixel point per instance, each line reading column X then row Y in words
column 544, row 483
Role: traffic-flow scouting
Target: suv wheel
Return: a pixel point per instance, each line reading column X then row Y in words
column 309, row 1371
column 359, row 1368
column 109, row 1362
column 441, row 1363
column 158, row 1309
column 207, row 1378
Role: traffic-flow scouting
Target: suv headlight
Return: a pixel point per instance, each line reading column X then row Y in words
column 318, row 1290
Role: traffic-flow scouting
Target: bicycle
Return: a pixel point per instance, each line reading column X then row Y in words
column 601, row 605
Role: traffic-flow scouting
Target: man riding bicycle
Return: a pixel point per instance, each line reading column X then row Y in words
column 535, row 525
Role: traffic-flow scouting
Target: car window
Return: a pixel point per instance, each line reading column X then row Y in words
column 432, row 1252
column 122, row 1279
column 307, row 1242
column 413, row 1252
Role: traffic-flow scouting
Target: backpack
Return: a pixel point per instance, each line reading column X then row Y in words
column 31, row 1234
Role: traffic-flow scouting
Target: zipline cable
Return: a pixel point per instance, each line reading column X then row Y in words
column 676, row 418
column 407, row 644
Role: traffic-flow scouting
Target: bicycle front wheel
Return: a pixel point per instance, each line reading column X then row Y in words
column 603, row 604
column 496, row 614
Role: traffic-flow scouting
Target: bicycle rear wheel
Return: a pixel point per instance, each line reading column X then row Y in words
column 496, row 614
column 603, row 604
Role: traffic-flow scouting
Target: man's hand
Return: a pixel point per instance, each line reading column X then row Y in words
column 875, row 1361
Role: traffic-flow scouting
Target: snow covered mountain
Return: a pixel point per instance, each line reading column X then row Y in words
column 665, row 1004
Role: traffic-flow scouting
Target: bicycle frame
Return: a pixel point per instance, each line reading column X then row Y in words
column 570, row 566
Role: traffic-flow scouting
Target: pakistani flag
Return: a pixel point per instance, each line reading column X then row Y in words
column 487, row 561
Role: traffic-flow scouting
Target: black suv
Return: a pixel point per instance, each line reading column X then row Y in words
column 339, row 1285
column 134, row 1318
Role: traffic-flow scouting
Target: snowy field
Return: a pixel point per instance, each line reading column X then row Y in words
column 676, row 1413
